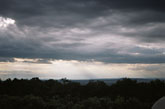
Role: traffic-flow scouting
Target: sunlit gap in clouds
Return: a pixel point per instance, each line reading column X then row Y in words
column 5, row 22
column 72, row 69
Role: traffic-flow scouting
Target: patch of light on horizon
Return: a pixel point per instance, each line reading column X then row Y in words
column 78, row 70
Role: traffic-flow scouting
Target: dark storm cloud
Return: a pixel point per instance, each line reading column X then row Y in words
column 136, row 4
column 151, row 32
column 62, row 13
column 68, row 29
column 69, row 12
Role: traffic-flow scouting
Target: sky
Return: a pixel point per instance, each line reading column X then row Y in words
column 82, row 39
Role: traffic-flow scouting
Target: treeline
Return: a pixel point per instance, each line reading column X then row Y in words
column 65, row 94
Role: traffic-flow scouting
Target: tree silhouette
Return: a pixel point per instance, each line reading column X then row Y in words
column 65, row 94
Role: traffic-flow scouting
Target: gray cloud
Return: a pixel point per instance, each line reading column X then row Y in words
column 155, row 70
column 101, row 30
column 2, row 59
column 68, row 13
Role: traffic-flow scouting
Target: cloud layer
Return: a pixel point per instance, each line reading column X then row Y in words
column 111, row 31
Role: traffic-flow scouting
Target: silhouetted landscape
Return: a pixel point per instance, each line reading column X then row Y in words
column 82, row 54
column 65, row 94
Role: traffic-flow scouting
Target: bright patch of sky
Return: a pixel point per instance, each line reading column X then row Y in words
column 57, row 69
column 5, row 22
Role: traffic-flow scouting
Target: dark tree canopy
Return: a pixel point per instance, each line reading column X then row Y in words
column 65, row 94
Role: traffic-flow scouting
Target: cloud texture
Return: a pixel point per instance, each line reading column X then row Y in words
column 111, row 31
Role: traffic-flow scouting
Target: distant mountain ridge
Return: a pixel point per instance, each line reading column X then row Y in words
column 110, row 81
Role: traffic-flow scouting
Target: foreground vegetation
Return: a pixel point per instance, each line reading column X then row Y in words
column 64, row 94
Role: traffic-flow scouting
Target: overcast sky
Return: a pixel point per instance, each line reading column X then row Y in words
column 119, row 32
